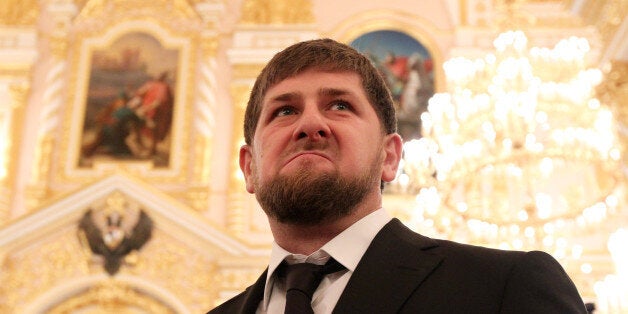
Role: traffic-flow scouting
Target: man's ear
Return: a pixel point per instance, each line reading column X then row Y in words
column 246, row 159
column 393, row 147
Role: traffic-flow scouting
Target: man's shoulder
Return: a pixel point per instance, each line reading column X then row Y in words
column 397, row 232
column 233, row 305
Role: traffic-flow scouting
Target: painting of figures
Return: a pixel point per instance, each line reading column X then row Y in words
column 407, row 67
column 130, row 102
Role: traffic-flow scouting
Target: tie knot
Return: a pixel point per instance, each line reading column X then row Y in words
column 302, row 280
column 307, row 276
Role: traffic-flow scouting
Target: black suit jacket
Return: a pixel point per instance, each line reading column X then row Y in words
column 405, row 272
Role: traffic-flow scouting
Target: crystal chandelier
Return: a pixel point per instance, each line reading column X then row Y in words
column 612, row 292
column 518, row 153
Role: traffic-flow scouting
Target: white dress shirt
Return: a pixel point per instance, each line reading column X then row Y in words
column 347, row 248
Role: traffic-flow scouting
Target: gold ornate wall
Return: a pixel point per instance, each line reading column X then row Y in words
column 194, row 257
column 209, row 239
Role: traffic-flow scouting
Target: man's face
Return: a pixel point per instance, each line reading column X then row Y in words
column 318, row 143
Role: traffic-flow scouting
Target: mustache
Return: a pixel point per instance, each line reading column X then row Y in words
column 312, row 145
column 306, row 146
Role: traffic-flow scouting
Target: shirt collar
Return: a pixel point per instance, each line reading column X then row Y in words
column 347, row 247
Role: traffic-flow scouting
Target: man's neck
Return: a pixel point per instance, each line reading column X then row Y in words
column 299, row 239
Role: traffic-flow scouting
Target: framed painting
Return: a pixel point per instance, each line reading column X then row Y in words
column 129, row 101
column 407, row 67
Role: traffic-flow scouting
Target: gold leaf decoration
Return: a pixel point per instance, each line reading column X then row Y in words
column 18, row 12
column 277, row 12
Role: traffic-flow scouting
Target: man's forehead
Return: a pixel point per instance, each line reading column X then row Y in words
column 322, row 92
column 340, row 83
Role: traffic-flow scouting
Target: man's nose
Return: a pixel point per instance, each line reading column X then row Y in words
column 313, row 125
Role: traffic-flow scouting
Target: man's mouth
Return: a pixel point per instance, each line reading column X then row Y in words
column 308, row 154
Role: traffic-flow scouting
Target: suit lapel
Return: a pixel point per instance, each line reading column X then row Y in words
column 254, row 295
column 393, row 266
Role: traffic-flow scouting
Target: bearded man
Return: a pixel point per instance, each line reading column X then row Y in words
column 320, row 133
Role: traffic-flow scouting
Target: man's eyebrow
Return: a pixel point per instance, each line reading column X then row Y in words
column 285, row 97
column 328, row 92
column 334, row 92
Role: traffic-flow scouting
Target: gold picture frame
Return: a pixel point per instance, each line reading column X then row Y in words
column 114, row 70
column 130, row 101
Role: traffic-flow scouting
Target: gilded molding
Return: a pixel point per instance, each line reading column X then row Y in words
column 10, row 117
column 19, row 12
column 58, row 28
column 41, row 268
column 111, row 297
column 58, row 46
column 35, row 196
column 246, row 71
column 201, row 167
column 48, row 122
column 18, row 93
column 52, row 101
column 13, row 71
column 204, row 121
column 238, row 279
column 511, row 15
column 195, row 284
column 47, row 264
column 278, row 12
column 170, row 9
column 236, row 211
column 198, row 198
column 41, row 170
column 607, row 16
column 209, row 46
column 518, row 14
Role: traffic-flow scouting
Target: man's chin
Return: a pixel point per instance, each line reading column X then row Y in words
column 308, row 171
column 311, row 196
column 305, row 165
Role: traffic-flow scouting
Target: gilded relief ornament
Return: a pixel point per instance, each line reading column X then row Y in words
column 112, row 297
column 18, row 12
column 277, row 12
column 110, row 235
column 614, row 89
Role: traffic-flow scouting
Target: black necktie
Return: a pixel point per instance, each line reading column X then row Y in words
column 301, row 281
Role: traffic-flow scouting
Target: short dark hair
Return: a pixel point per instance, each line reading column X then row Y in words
column 326, row 55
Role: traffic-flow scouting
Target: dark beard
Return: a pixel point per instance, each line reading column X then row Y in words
column 309, row 199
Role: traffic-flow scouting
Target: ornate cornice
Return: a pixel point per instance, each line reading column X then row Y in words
column 277, row 12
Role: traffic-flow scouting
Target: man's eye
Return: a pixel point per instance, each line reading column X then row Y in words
column 340, row 105
column 284, row 111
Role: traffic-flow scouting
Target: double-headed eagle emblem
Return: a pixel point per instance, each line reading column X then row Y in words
column 112, row 238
